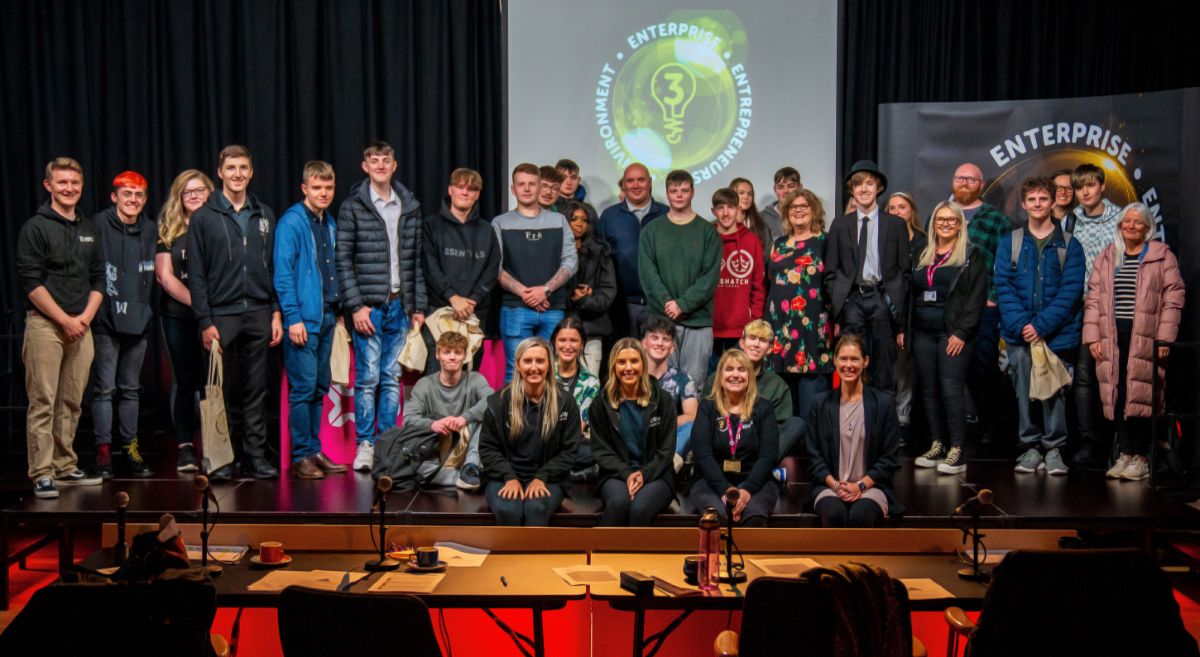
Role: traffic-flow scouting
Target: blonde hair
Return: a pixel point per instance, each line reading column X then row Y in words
column 172, row 220
column 817, row 225
column 914, row 220
column 758, row 328
column 63, row 164
column 958, row 256
column 516, row 389
column 718, row 393
column 612, row 387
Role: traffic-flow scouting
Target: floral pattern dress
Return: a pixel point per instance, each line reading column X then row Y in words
column 797, row 309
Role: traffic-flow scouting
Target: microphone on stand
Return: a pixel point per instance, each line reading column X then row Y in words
column 983, row 499
column 382, row 487
column 201, row 485
column 121, row 549
column 733, row 573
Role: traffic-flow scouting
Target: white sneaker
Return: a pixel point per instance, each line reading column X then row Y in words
column 1119, row 467
column 1137, row 469
column 364, row 458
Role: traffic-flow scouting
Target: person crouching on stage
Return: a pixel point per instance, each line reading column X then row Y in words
column 736, row 443
column 853, row 444
column 633, row 440
column 530, row 439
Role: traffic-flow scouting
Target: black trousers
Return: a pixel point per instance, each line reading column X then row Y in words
column 245, row 343
column 1133, row 433
column 652, row 499
column 757, row 510
column 837, row 514
column 868, row 315
column 943, row 385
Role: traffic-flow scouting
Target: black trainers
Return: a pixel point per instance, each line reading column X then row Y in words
column 187, row 459
column 44, row 489
column 103, row 467
column 77, row 477
column 469, row 477
column 135, row 465
column 223, row 473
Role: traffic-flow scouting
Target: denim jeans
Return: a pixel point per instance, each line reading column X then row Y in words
column 308, row 381
column 377, row 372
column 118, row 370
column 187, row 368
column 694, row 347
column 518, row 323
column 528, row 513
column 1053, row 432
column 683, row 438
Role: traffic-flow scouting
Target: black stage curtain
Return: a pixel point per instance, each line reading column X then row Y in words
column 160, row 86
column 964, row 50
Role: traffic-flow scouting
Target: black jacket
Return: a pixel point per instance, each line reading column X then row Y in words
column 461, row 258
column 363, row 257
column 658, row 428
column 759, row 447
column 228, row 273
column 841, row 261
column 824, row 436
column 62, row 256
column 129, row 284
column 595, row 269
column 558, row 454
column 967, row 297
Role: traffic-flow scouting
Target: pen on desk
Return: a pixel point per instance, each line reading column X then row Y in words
column 504, row 581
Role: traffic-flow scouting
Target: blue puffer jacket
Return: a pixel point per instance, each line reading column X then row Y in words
column 297, row 274
column 1039, row 292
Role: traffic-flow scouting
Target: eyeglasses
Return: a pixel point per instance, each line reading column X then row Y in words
column 796, row 207
column 946, row 221
column 965, row 179
column 192, row 193
column 1064, row 188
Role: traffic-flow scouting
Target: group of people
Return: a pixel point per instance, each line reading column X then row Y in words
column 720, row 334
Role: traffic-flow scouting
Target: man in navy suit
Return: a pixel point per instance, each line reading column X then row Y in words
column 867, row 271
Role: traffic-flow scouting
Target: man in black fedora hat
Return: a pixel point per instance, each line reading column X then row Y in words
column 867, row 270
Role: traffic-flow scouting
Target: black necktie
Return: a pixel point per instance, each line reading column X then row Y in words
column 862, row 249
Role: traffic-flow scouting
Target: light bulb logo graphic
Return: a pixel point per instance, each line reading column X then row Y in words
column 673, row 87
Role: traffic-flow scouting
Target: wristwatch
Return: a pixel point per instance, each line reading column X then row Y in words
column 862, row 487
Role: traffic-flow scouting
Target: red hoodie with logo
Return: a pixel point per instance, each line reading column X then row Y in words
column 741, row 285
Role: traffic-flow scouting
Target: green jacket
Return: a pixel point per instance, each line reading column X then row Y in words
column 680, row 263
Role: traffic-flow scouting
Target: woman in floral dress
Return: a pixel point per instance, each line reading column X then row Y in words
column 796, row 305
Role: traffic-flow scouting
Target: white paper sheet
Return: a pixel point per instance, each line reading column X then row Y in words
column 785, row 567
column 584, row 575
column 226, row 553
column 925, row 589
column 462, row 556
column 326, row 580
column 407, row 583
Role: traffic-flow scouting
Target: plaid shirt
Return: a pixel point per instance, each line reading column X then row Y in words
column 987, row 228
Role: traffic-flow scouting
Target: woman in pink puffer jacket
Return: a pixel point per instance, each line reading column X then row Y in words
column 1135, row 296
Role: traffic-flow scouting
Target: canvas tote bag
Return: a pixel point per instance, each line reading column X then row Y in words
column 214, row 425
column 339, row 356
column 1048, row 374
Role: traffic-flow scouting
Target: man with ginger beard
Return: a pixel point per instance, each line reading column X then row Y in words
column 621, row 226
column 986, row 226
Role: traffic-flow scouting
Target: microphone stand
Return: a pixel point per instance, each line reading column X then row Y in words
column 975, row 573
column 383, row 563
column 733, row 574
column 121, row 549
column 202, row 485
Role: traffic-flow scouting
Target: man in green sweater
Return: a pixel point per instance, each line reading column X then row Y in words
column 678, row 263
column 447, row 402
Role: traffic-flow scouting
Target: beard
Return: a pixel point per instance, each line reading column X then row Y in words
column 963, row 196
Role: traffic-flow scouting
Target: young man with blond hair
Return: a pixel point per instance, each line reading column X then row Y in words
column 62, row 280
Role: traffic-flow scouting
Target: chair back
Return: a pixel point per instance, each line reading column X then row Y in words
column 131, row 619
column 1080, row 602
column 785, row 616
column 314, row 623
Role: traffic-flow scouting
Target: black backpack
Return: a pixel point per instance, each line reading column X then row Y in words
column 398, row 454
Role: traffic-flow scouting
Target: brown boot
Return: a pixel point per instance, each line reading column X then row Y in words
column 329, row 467
column 307, row 469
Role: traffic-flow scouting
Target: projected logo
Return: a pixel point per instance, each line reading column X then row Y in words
column 676, row 95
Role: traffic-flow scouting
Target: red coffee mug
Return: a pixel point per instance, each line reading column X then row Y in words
column 270, row 552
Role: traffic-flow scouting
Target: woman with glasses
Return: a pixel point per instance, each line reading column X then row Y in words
column 189, row 192
column 949, row 284
column 796, row 305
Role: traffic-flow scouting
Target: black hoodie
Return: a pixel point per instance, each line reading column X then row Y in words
column 230, row 273
column 62, row 256
column 461, row 258
column 128, row 254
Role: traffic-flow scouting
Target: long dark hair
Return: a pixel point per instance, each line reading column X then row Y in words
column 754, row 220
column 590, row 242
column 569, row 322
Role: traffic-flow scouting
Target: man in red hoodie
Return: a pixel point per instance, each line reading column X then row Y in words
column 741, row 285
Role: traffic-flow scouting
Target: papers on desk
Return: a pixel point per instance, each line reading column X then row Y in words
column 584, row 575
column 785, row 567
column 407, row 583
column 226, row 553
column 925, row 589
column 462, row 556
column 326, row 580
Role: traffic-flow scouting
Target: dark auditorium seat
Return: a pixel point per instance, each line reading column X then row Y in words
column 314, row 623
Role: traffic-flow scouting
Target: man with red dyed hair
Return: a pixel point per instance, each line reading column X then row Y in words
column 127, row 242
